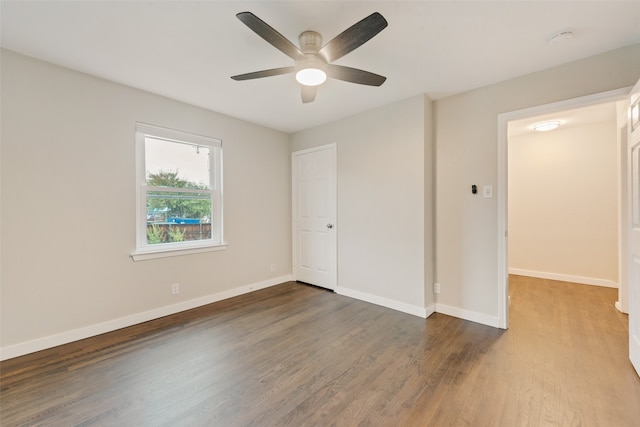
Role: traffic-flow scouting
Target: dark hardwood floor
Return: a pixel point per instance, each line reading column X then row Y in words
column 295, row 355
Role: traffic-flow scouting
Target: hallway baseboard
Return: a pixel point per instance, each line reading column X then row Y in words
column 564, row 277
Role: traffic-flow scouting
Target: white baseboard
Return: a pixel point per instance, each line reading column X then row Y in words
column 472, row 316
column 564, row 277
column 66, row 337
column 620, row 308
column 423, row 312
column 429, row 310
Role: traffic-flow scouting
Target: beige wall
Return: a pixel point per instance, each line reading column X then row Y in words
column 466, row 153
column 68, row 204
column 563, row 191
column 384, row 194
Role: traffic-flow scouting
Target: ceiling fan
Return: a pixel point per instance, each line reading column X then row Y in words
column 313, row 62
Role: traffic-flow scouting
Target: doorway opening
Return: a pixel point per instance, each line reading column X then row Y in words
column 511, row 126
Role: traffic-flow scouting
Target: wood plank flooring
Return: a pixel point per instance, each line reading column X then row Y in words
column 295, row 355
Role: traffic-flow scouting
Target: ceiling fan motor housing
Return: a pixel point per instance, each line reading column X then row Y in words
column 310, row 42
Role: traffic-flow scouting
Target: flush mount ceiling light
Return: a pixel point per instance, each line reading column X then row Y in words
column 546, row 126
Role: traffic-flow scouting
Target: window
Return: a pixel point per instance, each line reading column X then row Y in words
column 179, row 189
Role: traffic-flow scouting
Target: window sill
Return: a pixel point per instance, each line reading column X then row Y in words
column 143, row 255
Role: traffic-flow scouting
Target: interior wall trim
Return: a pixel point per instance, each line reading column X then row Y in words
column 21, row 349
column 472, row 316
column 564, row 277
column 423, row 312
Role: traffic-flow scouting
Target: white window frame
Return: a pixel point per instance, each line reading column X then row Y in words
column 146, row 251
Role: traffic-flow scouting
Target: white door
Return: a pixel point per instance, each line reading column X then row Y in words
column 314, row 216
column 634, row 236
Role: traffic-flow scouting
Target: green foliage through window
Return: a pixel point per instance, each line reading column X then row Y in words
column 162, row 205
column 176, row 234
column 154, row 234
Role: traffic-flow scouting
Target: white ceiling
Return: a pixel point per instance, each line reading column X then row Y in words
column 187, row 50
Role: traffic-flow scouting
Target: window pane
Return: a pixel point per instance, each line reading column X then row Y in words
column 174, row 216
column 177, row 164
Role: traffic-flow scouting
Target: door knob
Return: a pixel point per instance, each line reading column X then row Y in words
column 329, row 225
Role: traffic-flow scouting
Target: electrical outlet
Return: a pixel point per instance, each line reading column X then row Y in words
column 436, row 288
column 175, row 289
column 273, row 268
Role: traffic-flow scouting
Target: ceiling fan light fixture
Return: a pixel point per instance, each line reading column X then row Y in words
column 546, row 126
column 313, row 61
column 311, row 76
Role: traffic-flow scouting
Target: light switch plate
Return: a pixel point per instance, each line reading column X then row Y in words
column 487, row 191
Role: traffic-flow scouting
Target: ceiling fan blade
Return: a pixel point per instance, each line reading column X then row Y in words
column 353, row 37
column 264, row 73
column 273, row 37
column 354, row 75
column 309, row 93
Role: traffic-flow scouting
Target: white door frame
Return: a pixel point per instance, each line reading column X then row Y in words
column 633, row 141
column 503, row 121
column 294, row 201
